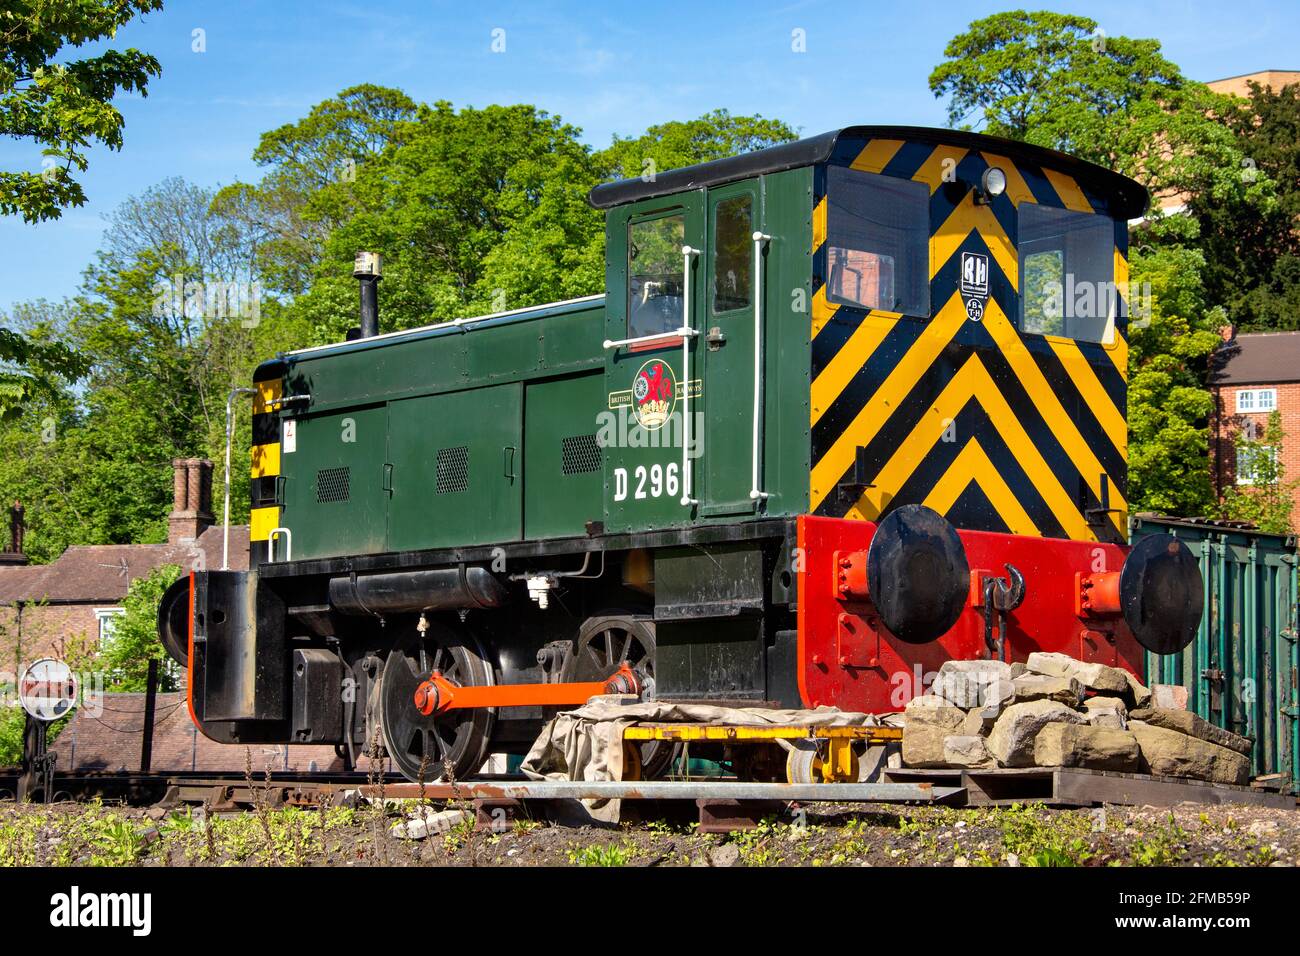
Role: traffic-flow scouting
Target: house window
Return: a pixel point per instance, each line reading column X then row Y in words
column 1254, row 459
column 1256, row 400
column 106, row 619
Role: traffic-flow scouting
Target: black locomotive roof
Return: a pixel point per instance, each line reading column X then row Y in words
column 1130, row 198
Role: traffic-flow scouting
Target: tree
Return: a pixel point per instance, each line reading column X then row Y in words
column 475, row 210
column 30, row 367
column 1056, row 80
column 311, row 165
column 172, row 314
column 1269, row 499
column 64, row 106
column 1168, row 404
column 675, row 144
column 1253, row 254
column 126, row 655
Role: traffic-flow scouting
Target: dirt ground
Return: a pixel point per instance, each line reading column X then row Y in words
column 815, row 835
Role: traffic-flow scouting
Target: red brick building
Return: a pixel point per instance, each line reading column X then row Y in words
column 1254, row 375
column 70, row 603
column 54, row 610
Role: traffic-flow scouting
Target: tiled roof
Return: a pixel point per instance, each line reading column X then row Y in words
column 102, row 572
column 1258, row 358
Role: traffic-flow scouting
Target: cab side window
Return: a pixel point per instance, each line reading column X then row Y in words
column 654, row 275
column 877, row 242
column 733, row 253
column 1067, row 273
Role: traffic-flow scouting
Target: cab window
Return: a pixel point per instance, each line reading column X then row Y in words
column 1067, row 273
column 733, row 253
column 877, row 242
column 654, row 275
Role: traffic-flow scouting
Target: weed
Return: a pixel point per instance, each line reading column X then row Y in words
column 596, row 854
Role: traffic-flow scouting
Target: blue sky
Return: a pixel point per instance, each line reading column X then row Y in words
column 610, row 68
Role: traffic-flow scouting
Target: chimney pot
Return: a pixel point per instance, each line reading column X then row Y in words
column 180, row 483
column 15, row 553
column 192, row 499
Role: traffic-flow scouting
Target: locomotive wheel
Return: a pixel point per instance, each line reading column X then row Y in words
column 603, row 643
column 803, row 764
column 457, row 740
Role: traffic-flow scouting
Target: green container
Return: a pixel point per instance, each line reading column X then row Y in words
column 1240, row 671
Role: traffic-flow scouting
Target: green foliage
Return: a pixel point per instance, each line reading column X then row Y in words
column 1268, row 501
column 597, row 854
column 1056, row 80
column 308, row 189
column 167, row 313
column 476, row 211
column 125, row 658
column 1168, row 404
column 12, row 721
column 1040, row 838
column 30, row 368
column 672, row 145
column 66, row 106
column 1253, row 254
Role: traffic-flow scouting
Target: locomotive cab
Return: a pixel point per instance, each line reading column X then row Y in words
column 849, row 407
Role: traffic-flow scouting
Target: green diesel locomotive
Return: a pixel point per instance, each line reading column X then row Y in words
column 842, row 413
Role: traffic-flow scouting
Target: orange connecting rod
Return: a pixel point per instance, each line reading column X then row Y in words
column 437, row 694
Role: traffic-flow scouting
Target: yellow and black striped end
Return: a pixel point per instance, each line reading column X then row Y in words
column 995, row 429
column 264, row 515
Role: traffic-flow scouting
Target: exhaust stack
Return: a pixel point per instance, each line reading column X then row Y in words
column 366, row 270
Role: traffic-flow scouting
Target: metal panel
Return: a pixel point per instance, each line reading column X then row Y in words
column 563, row 485
column 333, row 473
column 1240, row 671
column 239, row 647
column 457, row 466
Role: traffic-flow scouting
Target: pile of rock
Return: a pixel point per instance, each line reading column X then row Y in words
column 1054, row 711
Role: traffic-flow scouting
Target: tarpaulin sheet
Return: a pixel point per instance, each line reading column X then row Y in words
column 587, row 743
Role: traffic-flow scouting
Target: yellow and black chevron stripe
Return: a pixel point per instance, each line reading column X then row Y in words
column 264, row 515
column 997, row 431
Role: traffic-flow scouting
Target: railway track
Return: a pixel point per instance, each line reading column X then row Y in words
column 226, row 790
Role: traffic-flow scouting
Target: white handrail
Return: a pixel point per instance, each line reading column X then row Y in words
column 756, row 491
column 687, row 334
column 270, row 544
column 640, row 339
column 225, row 509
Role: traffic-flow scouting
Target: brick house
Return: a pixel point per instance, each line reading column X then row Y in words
column 1254, row 374
column 1240, row 85
column 53, row 609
